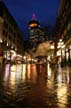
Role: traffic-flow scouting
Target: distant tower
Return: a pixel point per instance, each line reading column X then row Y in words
column 33, row 23
column 36, row 34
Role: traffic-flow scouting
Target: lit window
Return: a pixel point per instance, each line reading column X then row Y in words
column 33, row 25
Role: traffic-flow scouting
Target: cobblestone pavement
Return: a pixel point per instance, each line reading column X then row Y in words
column 19, row 89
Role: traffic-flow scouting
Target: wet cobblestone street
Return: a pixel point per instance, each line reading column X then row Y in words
column 19, row 89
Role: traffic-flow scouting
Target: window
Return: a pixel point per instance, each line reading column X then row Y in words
column 69, row 26
column 67, row 5
column 3, row 32
column 65, row 32
column 5, row 25
column 9, row 37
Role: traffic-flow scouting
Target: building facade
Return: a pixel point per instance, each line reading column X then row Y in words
column 63, row 31
column 11, row 37
column 36, row 34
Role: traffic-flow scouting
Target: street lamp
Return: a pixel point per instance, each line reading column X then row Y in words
column 60, row 51
column 52, row 51
column 1, row 41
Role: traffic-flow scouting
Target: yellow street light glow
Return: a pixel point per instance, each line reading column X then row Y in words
column 60, row 40
column 1, row 40
column 52, row 46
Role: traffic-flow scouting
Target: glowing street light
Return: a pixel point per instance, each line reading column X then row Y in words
column 60, row 48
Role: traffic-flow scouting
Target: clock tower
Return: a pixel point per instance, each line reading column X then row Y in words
column 36, row 33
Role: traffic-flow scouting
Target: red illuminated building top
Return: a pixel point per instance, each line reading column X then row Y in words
column 33, row 23
column 33, row 16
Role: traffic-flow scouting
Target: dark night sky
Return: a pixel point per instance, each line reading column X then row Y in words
column 22, row 11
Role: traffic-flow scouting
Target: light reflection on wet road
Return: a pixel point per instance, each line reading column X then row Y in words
column 22, row 87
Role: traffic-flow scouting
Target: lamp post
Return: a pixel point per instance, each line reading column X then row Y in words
column 26, row 72
column 61, row 53
column 1, row 51
column 52, row 50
